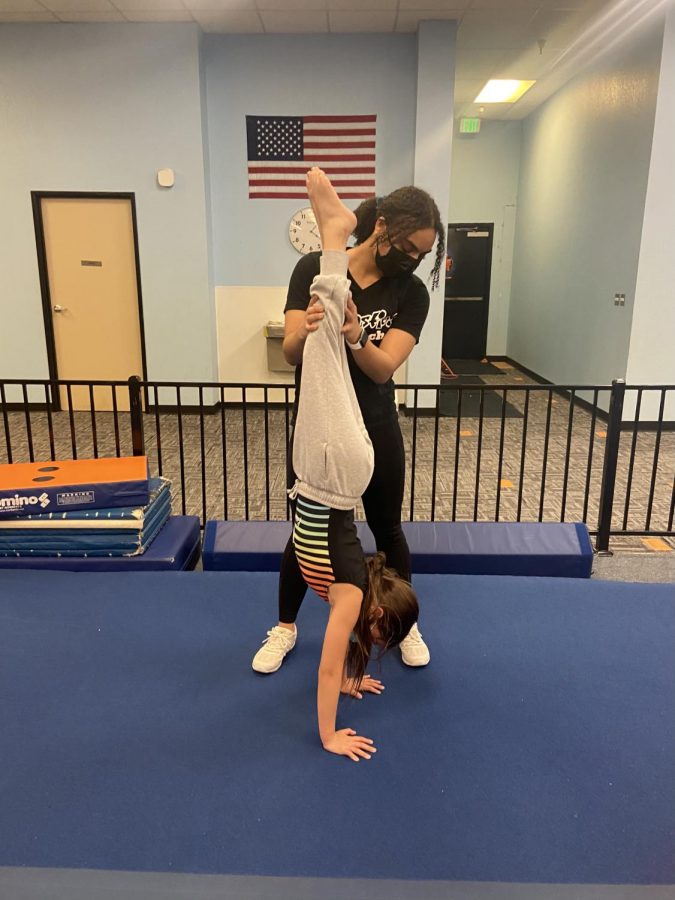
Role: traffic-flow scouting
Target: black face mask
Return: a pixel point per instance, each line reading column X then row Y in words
column 395, row 263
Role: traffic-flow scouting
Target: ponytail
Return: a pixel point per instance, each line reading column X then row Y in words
column 366, row 217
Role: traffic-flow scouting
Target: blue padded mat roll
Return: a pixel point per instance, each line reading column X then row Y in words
column 538, row 745
column 453, row 548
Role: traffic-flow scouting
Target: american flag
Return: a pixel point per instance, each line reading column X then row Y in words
column 282, row 148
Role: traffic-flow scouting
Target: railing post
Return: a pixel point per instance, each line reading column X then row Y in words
column 55, row 396
column 136, row 414
column 609, row 466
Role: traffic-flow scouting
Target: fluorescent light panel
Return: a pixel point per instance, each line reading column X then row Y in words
column 499, row 90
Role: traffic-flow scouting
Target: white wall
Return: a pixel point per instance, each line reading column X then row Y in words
column 484, row 188
column 102, row 108
column 241, row 313
column 583, row 179
column 244, row 360
column 651, row 354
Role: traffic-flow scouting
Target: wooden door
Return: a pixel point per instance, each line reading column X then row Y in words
column 91, row 266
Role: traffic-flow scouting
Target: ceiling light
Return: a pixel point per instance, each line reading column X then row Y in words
column 503, row 91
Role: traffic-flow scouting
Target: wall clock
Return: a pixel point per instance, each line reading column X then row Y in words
column 303, row 231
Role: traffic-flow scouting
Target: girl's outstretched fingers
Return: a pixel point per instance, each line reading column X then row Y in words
column 347, row 742
column 371, row 685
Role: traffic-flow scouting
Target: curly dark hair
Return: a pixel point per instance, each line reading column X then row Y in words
column 405, row 210
column 396, row 598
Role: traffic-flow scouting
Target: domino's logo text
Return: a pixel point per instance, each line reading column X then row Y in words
column 12, row 504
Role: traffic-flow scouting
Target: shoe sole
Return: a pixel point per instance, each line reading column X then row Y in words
column 415, row 665
column 267, row 671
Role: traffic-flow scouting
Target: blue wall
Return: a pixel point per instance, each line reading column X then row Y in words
column 296, row 75
column 102, row 108
column 583, row 178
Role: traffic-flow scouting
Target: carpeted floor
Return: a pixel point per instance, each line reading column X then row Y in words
column 470, row 367
column 474, row 403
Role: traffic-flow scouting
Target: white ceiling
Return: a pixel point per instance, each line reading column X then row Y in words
column 496, row 38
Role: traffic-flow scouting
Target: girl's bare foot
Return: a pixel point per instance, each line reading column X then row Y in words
column 336, row 222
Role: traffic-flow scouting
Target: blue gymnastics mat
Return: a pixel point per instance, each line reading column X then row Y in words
column 544, row 549
column 176, row 546
column 538, row 746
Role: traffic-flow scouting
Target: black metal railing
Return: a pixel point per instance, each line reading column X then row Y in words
column 601, row 454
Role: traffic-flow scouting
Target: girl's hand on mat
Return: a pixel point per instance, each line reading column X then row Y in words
column 347, row 742
column 314, row 314
column 352, row 327
column 371, row 685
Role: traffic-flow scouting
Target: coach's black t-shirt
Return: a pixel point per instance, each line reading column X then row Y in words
column 389, row 303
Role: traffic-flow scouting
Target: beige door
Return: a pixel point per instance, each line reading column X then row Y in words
column 91, row 266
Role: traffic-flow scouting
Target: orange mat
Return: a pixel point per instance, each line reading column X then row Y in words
column 61, row 485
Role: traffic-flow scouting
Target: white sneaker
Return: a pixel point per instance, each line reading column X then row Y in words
column 414, row 652
column 277, row 644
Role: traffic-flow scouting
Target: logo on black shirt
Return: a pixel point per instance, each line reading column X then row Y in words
column 377, row 323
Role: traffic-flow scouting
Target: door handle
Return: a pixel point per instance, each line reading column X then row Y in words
column 58, row 308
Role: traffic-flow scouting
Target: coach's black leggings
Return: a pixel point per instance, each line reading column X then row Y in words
column 382, row 503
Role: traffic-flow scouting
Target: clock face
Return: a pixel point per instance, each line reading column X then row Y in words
column 303, row 231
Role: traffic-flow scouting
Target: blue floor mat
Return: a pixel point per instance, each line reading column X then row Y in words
column 538, row 746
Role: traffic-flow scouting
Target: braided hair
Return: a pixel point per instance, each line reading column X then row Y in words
column 405, row 210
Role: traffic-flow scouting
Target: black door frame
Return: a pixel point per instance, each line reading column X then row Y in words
column 480, row 226
column 36, row 200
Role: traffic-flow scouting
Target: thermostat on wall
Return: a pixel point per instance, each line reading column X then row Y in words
column 165, row 178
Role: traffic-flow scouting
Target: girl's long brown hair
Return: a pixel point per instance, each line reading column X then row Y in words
column 396, row 598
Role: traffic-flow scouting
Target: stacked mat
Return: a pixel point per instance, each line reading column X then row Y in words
column 116, row 531
column 81, row 508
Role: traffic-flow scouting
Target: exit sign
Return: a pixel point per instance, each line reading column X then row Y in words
column 469, row 125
